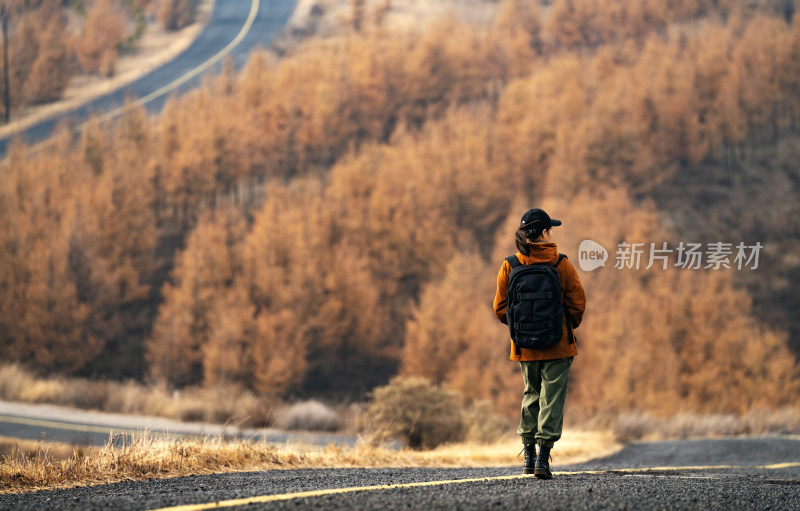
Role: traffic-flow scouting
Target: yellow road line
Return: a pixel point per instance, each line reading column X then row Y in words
column 75, row 427
column 664, row 469
column 331, row 491
column 254, row 6
column 335, row 491
column 780, row 465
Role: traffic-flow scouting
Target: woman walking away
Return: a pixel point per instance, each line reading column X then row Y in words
column 540, row 298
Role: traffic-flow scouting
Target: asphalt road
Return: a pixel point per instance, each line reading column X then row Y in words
column 80, row 427
column 739, row 473
column 234, row 29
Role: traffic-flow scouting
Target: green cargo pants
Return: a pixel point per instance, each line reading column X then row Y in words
column 543, row 401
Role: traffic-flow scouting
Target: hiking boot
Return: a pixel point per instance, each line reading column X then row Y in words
column 530, row 458
column 542, row 468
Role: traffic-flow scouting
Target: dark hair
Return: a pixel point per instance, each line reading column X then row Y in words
column 524, row 238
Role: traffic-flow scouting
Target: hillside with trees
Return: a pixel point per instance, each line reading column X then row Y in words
column 318, row 223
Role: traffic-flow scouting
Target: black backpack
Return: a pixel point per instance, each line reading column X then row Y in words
column 535, row 305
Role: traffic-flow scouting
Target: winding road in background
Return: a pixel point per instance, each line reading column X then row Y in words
column 234, row 29
column 721, row 474
column 81, row 427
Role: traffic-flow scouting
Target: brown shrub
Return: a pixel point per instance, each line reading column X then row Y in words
column 424, row 415
column 308, row 416
column 420, row 414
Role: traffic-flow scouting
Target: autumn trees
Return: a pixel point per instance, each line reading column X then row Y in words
column 270, row 306
column 319, row 223
column 39, row 51
column 85, row 216
column 103, row 32
column 632, row 118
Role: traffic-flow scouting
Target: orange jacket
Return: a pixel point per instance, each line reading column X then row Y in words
column 574, row 301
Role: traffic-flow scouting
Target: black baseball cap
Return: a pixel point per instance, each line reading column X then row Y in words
column 537, row 219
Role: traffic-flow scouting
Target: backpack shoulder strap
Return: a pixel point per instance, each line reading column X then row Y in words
column 513, row 261
column 571, row 336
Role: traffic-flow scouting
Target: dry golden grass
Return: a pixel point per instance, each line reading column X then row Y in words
column 13, row 447
column 36, row 466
